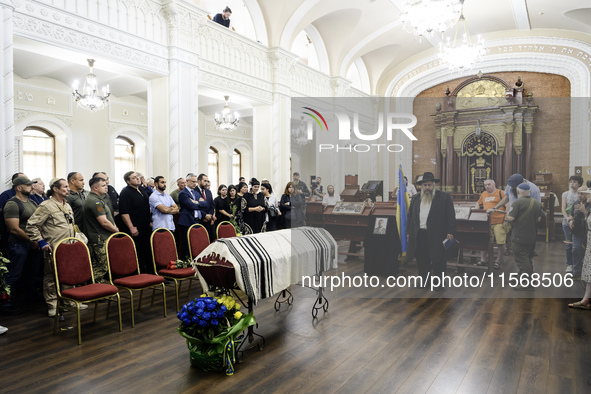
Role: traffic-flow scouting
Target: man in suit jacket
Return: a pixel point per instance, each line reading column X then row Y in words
column 205, row 200
column 431, row 219
column 191, row 210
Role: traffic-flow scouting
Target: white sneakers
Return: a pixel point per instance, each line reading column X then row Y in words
column 3, row 330
column 569, row 268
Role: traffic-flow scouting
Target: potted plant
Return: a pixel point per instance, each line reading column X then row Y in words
column 211, row 326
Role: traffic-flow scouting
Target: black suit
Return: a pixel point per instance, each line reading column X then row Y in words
column 426, row 245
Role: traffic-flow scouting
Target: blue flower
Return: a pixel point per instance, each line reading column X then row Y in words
column 186, row 322
column 195, row 319
column 224, row 308
column 211, row 306
column 214, row 322
column 199, row 312
column 220, row 313
column 200, row 304
column 206, row 315
column 191, row 308
column 184, row 315
column 203, row 323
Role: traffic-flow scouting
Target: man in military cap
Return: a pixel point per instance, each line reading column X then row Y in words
column 22, row 251
column 99, row 224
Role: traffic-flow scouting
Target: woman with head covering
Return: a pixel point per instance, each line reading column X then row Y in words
column 256, row 208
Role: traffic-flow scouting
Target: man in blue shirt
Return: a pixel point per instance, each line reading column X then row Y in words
column 223, row 18
column 162, row 206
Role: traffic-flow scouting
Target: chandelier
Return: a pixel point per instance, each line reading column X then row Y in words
column 226, row 121
column 89, row 99
column 299, row 135
column 424, row 17
column 462, row 55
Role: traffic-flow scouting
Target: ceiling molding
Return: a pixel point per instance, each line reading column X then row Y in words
column 520, row 14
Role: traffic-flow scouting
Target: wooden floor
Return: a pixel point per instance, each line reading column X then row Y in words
column 373, row 345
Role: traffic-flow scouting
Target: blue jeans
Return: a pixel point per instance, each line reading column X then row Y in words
column 568, row 237
column 579, row 241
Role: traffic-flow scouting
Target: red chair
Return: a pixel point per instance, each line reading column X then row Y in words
column 225, row 230
column 72, row 267
column 163, row 252
column 198, row 239
column 125, row 271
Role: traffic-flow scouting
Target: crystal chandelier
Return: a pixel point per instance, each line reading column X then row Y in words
column 424, row 17
column 89, row 99
column 299, row 135
column 462, row 55
column 226, row 121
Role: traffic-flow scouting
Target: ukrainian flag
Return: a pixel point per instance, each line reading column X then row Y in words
column 402, row 204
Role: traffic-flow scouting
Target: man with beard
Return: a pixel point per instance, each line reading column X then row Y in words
column 330, row 198
column 162, row 206
column 431, row 220
column 77, row 197
column 22, row 251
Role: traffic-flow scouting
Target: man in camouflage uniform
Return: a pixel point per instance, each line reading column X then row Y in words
column 99, row 225
column 76, row 198
column 52, row 221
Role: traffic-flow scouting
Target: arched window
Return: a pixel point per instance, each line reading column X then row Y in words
column 124, row 160
column 38, row 153
column 236, row 165
column 213, row 168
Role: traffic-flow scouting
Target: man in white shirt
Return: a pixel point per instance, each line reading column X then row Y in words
column 162, row 206
column 330, row 198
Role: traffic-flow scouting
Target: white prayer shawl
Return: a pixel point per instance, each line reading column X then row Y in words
column 267, row 263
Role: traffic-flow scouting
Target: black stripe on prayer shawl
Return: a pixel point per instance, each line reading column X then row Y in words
column 248, row 289
column 265, row 268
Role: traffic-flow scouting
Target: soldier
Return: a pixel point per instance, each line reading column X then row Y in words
column 77, row 197
column 99, row 224
column 52, row 222
column 22, row 251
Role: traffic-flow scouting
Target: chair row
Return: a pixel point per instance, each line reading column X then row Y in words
column 73, row 270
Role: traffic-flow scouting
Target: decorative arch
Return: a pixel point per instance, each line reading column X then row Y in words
column 321, row 52
column 258, row 20
column 567, row 57
column 289, row 31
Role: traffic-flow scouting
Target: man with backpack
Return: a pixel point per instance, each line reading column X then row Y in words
column 23, row 253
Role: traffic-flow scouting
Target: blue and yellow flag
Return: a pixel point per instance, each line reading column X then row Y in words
column 402, row 204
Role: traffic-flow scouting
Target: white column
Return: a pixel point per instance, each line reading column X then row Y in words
column 7, row 94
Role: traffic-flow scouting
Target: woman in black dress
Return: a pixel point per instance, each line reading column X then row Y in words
column 218, row 204
column 240, row 204
column 285, row 206
column 255, row 208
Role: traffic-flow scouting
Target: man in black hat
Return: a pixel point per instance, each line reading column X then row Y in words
column 431, row 220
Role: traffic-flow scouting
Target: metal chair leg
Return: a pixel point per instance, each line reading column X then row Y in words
column 153, row 294
column 131, row 302
column 119, row 307
column 95, row 311
column 79, row 328
column 176, row 289
column 163, row 297
column 190, row 283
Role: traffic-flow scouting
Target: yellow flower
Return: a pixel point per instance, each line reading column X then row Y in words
column 237, row 315
column 231, row 304
column 237, row 306
column 220, row 301
column 203, row 295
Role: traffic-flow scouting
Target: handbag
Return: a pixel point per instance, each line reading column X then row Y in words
column 272, row 212
column 80, row 235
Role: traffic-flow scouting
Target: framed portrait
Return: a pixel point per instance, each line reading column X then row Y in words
column 380, row 226
column 348, row 208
